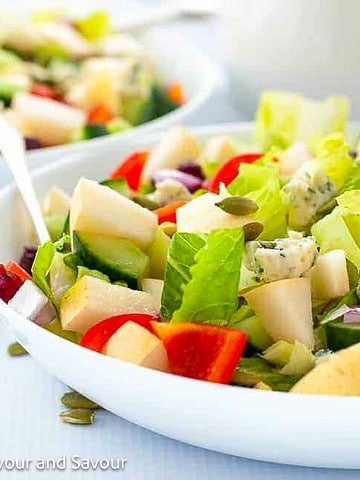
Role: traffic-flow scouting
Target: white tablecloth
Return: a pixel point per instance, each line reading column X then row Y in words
column 29, row 405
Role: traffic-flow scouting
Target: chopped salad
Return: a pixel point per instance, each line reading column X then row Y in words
column 67, row 79
column 217, row 261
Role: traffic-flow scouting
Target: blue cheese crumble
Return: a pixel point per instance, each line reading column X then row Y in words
column 170, row 191
column 308, row 190
column 281, row 258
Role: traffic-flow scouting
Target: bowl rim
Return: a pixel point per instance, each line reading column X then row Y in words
column 22, row 323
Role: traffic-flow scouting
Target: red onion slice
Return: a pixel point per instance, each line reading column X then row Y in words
column 338, row 312
column 191, row 182
column 353, row 315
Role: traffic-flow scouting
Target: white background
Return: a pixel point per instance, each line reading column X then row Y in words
column 29, row 405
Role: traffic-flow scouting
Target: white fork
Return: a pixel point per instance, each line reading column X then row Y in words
column 12, row 147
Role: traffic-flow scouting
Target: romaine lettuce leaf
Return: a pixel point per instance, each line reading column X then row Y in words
column 42, row 264
column 332, row 153
column 284, row 118
column 252, row 371
column 211, row 295
column 352, row 182
column 335, row 231
column 350, row 200
column 349, row 299
column 183, row 248
column 261, row 184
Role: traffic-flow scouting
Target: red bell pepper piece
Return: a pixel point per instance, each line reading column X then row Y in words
column 15, row 269
column 97, row 336
column 42, row 90
column 168, row 213
column 99, row 114
column 131, row 169
column 201, row 351
column 230, row 170
column 176, row 93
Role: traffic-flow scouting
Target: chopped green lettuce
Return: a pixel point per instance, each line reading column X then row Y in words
column 349, row 299
column 339, row 230
column 261, row 184
column 333, row 154
column 252, row 371
column 284, row 118
column 42, row 264
column 352, row 182
column 183, row 248
column 8, row 60
column 211, row 295
column 94, row 26
column 350, row 200
column 49, row 51
column 61, row 277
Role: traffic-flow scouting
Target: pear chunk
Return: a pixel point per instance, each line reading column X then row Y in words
column 56, row 202
column 51, row 122
column 338, row 374
column 177, row 146
column 134, row 344
column 154, row 287
column 91, row 300
column 98, row 209
column 285, row 309
column 329, row 276
column 218, row 150
column 201, row 215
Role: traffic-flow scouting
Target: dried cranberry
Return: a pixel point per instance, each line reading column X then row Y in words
column 9, row 284
column 27, row 258
column 192, row 168
column 32, row 143
column 353, row 154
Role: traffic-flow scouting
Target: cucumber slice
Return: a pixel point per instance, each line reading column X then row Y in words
column 10, row 85
column 341, row 335
column 256, row 334
column 94, row 130
column 66, row 228
column 117, row 258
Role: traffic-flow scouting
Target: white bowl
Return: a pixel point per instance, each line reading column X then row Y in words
column 177, row 60
column 279, row 427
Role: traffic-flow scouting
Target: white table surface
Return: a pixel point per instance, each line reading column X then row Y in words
column 29, row 405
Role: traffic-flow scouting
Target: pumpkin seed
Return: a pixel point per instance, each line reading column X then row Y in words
column 76, row 400
column 16, row 350
column 78, row 416
column 238, row 205
column 145, row 202
column 169, row 228
column 327, row 207
column 252, row 230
